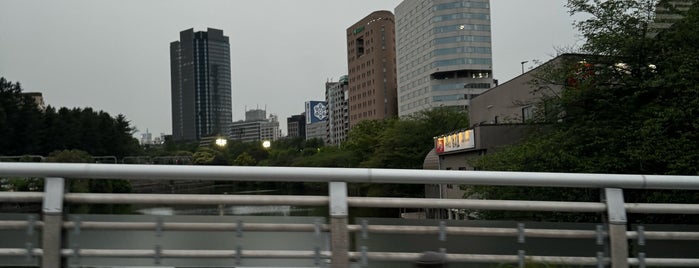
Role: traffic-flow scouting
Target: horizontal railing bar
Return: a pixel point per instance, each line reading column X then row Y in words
column 351, row 175
column 479, row 231
column 519, row 205
column 4, row 225
column 7, row 252
column 666, row 262
column 24, row 197
column 199, row 199
column 645, row 208
column 656, row 235
column 185, row 253
column 482, row 258
column 196, row 226
column 662, row 208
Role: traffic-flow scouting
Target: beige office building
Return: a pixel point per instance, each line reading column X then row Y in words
column 371, row 57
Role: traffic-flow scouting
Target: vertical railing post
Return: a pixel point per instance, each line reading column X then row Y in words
column 53, row 222
column 618, row 242
column 339, row 235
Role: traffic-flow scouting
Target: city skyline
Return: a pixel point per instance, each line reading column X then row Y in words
column 118, row 60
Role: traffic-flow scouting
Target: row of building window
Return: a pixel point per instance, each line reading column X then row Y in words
column 458, row 16
column 413, row 31
column 478, row 61
column 453, row 97
column 446, row 51
column 363, row 115
column 460, row 4
column 414, row 94
column 462, row 38
column 405, row 76
column 459, row 50
column 414, row 104
column 461, row 27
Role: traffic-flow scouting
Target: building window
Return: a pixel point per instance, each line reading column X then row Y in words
column 527, row 113
column 360, row 46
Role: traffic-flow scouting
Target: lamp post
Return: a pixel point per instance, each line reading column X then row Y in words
column 523, row 65
column 266, row 144
column 221, row 142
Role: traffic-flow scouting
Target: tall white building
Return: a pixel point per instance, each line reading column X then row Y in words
column 270, row 130
column 444, row 53
column 336, row 96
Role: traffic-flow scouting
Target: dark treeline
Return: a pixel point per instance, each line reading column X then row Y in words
column 27, row 129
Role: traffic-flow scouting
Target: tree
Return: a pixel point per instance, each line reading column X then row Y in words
column 91, row 185
column 403, row 143
column 634, row 111
column 208, row 156
column 244, row 159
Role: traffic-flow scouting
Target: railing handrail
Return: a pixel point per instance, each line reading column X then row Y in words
column 350, row 175
column 53, row 224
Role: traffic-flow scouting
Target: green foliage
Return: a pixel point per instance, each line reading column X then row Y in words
column 25, row 129
column 402, row 143
column 244, row 159
column 209, row 156
column 69, row 156
column 636, row 112
column 327, row 157
column 90, row 185
column 21, row 184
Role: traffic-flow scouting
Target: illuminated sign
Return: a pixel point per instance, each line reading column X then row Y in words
column 358, row 30
column 456, row 141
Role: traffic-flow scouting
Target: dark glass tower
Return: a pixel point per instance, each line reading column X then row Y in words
column 200, row 73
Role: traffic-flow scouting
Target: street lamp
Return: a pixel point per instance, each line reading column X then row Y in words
column 221, row 142
column 523, row 65
column 266, row 144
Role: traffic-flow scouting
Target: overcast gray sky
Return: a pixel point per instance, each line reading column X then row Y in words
column 114, row 55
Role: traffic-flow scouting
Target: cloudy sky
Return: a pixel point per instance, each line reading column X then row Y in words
column 113, row 55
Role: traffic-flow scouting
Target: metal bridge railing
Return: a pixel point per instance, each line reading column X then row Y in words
column 615, row 233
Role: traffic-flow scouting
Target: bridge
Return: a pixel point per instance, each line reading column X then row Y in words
column 51, row 238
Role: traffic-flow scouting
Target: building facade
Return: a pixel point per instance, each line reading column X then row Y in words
column 444, row 53
column 316, row 120
column 336, row 95
column 667, row 13
column 371, row 57
column 256, row 127
column 269, row 130
column 38, row 98
column 200, row 78
column 296, row 125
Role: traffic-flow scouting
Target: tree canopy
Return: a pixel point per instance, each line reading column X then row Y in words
column 26, row 128
column 636, row 111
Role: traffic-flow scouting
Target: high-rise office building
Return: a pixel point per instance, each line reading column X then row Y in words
column 296, row 125
column 200, row 74
column 444, row 53
column 336, row 95
column 371, row 57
